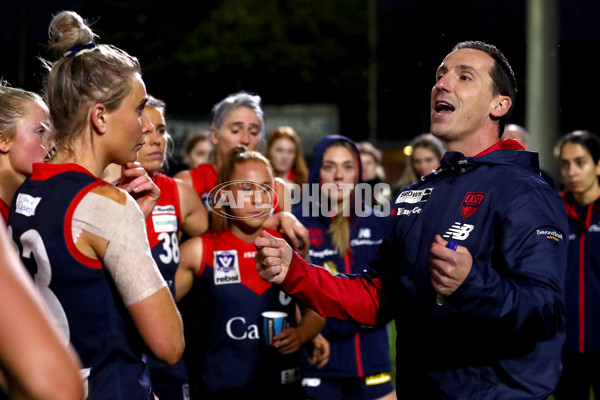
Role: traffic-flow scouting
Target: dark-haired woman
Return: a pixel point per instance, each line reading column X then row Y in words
column 579, row 159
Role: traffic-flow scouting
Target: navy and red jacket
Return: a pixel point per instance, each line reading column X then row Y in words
column 356, row 351
column 583, row 276
column 500, row 334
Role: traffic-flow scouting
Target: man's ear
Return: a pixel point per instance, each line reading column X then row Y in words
column 5, row 143
column 99, row 117
column 501, row 106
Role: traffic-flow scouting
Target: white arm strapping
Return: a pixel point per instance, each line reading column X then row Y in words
column 128, row 258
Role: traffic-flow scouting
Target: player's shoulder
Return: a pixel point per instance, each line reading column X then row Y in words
column 111, row 192
column 194, row 244
column 199, row 170
column 182, row 185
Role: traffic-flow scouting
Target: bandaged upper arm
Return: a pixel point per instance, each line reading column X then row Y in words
column 128, row 258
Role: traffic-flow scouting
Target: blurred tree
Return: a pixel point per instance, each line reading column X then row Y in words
column 294, row 51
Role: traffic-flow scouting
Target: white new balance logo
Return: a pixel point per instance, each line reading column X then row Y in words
column 594, row 228
column 459, row 231
column 364, row 233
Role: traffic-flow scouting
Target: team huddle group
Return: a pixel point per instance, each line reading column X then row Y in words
column 133, row 284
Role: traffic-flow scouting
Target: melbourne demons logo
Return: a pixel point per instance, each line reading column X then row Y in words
column 471, row 203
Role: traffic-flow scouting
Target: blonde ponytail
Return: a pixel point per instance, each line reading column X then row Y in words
column 340, row 233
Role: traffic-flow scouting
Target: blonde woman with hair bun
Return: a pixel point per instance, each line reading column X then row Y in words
column 84, row 240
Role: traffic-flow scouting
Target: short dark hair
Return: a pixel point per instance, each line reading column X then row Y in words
column 503, row 78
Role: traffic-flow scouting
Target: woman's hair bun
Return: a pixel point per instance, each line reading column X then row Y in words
column 68, row 29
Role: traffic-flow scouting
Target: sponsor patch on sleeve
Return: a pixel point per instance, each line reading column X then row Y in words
column 550, row 234
column 378, row 379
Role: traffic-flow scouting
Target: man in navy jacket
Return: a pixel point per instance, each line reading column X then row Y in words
column 484, row 321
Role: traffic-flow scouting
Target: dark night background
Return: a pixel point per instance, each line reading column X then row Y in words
column 308, row 51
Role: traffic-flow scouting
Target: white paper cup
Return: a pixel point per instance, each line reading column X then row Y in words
column 273, row 323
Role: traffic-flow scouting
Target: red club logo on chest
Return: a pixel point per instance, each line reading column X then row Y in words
column 316, row 236
column 471, row 203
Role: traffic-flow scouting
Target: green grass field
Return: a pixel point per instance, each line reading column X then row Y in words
column 393, row 349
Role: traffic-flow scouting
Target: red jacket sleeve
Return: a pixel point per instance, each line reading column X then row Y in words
column 347, row 297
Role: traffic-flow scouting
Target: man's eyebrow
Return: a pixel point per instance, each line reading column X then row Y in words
column 441, row 68
column 466, row 67
column 461, row 67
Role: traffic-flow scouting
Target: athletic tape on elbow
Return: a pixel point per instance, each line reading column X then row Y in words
column 128, row 258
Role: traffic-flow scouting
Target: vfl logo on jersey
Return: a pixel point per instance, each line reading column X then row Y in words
column 316, row 236
column 414, row 196
column 226, row 267
column 459, row 231
column 27, row 204
column 471, row 203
